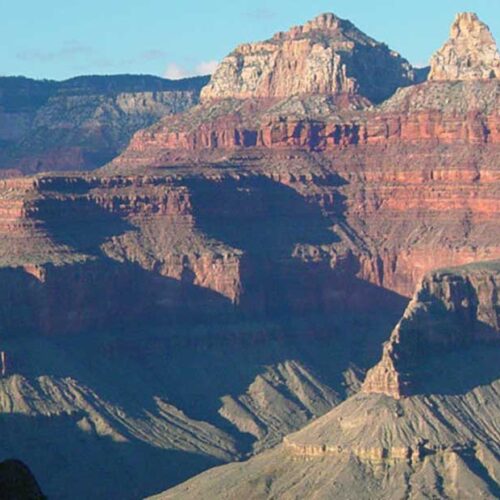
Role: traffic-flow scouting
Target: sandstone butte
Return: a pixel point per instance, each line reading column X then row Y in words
column 327, row 55
column 411, row 183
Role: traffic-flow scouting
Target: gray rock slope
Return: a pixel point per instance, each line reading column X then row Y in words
column 442, row 442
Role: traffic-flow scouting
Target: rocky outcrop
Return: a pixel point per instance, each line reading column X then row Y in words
column 270, row 243
column 419, row 175
column 175, row 242
column 327, row 55
column 53, row 229
column 433, row 113
column 470, row 54
column 82, row 123
column 450, row 309
column 320, row 117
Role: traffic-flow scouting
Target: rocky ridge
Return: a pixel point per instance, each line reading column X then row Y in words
column 461, row 108
column 419, row 168
column 344, row 205
column 81, row 123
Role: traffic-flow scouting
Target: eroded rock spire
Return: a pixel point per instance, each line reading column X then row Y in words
column 470, row 53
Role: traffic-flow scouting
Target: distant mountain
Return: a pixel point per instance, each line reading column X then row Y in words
column 81, row 123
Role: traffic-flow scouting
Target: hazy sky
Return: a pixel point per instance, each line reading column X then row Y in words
column 63, row 38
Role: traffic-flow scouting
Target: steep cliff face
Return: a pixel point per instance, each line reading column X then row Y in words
column 431, row 114
column 171, row 299
column 450, row 309
column 423, row 193
column 175, row 242
column 81, row 123
column 270, row 242
column 470, row 53
column 447, row 109
column 88, row 235
column 327, row 55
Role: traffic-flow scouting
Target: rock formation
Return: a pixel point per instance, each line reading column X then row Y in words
column 327, row 55
column 428, row 150
column 450, row 309
column 470, row 54
column 271, row 241
column 441, row 444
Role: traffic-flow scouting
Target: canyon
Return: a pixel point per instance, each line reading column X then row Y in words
column 440, row 440
column 220, row 290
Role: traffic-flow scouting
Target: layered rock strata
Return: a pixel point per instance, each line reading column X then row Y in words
column 226, row 239
column 418, row 174
column 174, row 242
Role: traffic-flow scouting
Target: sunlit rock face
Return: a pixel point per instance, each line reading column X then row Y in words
column 470, row 53
column 326, row 55
column 418, row 173
column 245, row 260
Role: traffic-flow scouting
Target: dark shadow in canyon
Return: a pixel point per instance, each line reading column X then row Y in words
column 80, row 223
column 458, row 371
column 100, row 467
column 104, row 292
column 101, row 294
column 287, row 247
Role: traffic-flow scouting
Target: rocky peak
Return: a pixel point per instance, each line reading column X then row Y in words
column 327, row 55
column 328, row 25
column 470, row 53
column 327, row 21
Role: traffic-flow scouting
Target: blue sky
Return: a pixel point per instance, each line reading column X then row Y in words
column 63, row 38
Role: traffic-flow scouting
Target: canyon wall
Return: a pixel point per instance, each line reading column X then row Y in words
column 343, row 204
